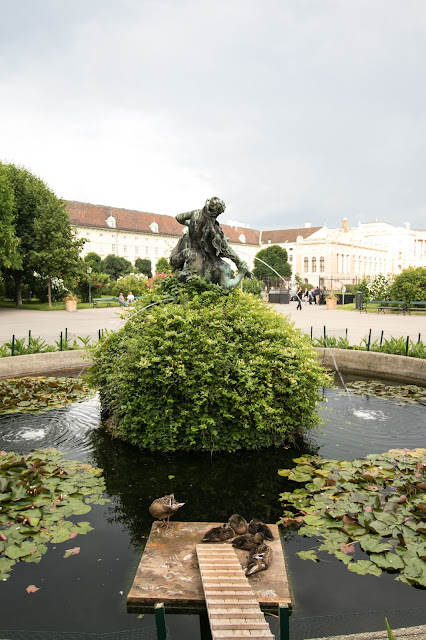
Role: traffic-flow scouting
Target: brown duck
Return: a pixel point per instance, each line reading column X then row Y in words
column 163, row 508
column 259, row 559
column 219, row 534
column 238, row 523
column 248, row 541
column 256, row 525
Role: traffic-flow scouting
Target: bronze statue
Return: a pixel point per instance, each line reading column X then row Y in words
column 202, row 248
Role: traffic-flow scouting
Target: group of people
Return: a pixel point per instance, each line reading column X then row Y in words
column 130, row 299
column 311, row 296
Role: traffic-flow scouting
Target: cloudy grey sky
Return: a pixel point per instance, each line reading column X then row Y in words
column 289, row 110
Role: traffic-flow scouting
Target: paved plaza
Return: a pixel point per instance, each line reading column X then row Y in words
column 88, row 322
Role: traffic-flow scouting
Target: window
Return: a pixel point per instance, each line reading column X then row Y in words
column 154, row 227
column 147, row 251
column 314, row 265
column 136, row 250
column 113, row 247
column 322, row 264
column 125, row 248
column 305, row 265
column 111, row 222
column 290, row 258
column 156, row 251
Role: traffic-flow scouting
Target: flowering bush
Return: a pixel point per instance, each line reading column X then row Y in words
column 70, row 297
column 156, row 280
column 135, row 282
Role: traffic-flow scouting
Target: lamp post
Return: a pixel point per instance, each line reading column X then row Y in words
column 89, row 271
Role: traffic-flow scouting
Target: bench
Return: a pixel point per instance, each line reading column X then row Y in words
column 383, row 305
column 106, row 300
column 415, row 306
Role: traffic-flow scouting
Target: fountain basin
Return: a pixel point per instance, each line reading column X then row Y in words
column 369, row 363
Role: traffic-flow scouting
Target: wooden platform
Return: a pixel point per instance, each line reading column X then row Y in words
column 233, row 610
column 168, row 571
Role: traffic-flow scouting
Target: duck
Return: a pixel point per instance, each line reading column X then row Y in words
column 256, row 525
column 259, row 559
column 248, row 541
column 238, row 523
column 219, row 534
column 163, row 508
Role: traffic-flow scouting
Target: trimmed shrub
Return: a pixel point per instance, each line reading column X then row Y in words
column 134, row 282
column 253, row 286
column 207, row 370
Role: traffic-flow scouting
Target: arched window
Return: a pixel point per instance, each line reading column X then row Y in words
column 322, row 264
column 314, row 265
column 305, row 265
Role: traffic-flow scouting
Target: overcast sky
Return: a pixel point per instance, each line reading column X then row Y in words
column 289, row 110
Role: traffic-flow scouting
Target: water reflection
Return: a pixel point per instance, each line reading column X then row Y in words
column 212, row 487
column 95, row 582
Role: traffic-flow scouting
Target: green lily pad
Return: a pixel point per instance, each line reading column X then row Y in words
column 378, row 502
column 35, row 506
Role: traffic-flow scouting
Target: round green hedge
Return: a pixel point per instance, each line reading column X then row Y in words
column 207, row 370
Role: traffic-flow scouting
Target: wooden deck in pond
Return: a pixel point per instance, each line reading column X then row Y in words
column 169, row 572
column 233, row 610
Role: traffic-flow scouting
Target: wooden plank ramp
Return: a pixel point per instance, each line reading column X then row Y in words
column 232, row 607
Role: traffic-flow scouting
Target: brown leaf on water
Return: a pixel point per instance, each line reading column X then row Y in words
column 287, row 522
column 73, row 535
column 31, row 588
column 72, row 552
column 347, row 548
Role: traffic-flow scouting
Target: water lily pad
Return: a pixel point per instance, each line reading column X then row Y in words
column 40, row 394
column 376, row 502
column 35, row 506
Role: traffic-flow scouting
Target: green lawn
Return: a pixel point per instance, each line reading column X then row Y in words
column 44, row 306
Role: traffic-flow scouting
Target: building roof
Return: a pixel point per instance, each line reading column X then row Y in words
column 280, row 236
column 83, row 214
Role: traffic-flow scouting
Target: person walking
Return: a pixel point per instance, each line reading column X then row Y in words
column 299, row 298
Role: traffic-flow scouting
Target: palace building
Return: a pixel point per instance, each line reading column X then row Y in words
column 329, row 257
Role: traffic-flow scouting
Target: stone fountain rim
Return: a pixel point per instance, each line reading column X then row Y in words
column 367, row 363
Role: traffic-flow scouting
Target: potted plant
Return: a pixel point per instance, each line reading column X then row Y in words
column 70, row 302
column 331, row 301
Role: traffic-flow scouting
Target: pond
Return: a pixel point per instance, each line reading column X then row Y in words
column 87, row 592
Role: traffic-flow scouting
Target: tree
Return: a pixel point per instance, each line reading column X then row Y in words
column 410, row 285
column 47, row 245
column 93, row 260
column 56, row 250
column 9, row 243
column 143, row 265
column 115, row 266
column 163, row 266
column 275, row 257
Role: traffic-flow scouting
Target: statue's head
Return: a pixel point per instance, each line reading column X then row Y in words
column 215, row 206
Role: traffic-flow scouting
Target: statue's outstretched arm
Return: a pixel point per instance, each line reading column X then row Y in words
column 184, row 218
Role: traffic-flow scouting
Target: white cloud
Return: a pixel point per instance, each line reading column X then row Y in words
column 287, row 110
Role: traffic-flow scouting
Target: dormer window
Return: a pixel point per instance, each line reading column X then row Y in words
column 154, row 227
column 111, row 222
column 242, row 238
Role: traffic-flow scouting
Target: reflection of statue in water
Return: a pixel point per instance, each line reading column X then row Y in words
column 200, row 250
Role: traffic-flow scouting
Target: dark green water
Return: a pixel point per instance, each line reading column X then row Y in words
column 87, row 592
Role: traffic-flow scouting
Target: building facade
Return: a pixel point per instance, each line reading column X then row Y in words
column 327, row 257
